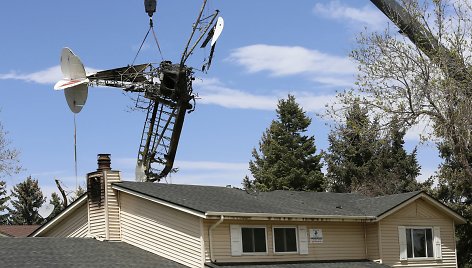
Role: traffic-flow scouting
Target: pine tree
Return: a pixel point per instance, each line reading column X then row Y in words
column 26, row 200
column 352, row 147
column 455, row 190
column 287, row 158
column 57, row 204
column 3, row 200
column 362, row 159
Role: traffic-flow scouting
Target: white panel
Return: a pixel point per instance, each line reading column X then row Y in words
column 71, row 66
column 402, row 242
column 437, row 243
column 303, row 239
column 236, row 241
column 76, row 97
column 220, row 23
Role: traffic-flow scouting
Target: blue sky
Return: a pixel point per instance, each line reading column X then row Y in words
column 268, row 49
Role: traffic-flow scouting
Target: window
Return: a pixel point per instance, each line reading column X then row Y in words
column 285, row 239
column 253, row 239
column 419, row 242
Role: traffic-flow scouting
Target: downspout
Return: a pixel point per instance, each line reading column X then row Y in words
column 365, row 240
column 210, row 235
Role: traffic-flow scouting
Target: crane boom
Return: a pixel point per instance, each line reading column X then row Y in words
column 419, row 35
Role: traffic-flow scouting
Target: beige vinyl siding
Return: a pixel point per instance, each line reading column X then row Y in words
column 417, row 214
column 341, row 241
column 372, row 241
column 74, row 225
column 161, row 230
column 97, row 222
column 113, row 209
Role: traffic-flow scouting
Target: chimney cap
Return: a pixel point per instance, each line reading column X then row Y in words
column 104, row 162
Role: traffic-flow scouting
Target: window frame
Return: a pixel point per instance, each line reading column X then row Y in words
column 426, row 246
column 296, row 239
column 254, row 253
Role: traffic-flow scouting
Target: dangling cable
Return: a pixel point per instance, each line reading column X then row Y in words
column 142, row 43
column 75, row 152
column 157, row 42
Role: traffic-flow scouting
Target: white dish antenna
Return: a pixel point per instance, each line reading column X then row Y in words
column 75, row 81
column 45, row 210
column 220, row 23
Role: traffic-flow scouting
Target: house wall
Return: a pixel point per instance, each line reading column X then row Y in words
column 96, row 210
column 104, row 216
column 161, row 230
column 422, row 214
column 74, row 225
column 372, row 241
column 341, row 241
column 112, row 207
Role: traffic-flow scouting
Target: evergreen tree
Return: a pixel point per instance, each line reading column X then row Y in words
column 362, row 159
column 77, row 193
column 286, row 158
column 57, row 204
column 27, row 198
column 455, row 190
column 3, row 200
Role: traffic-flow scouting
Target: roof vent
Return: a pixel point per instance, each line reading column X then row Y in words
column 104, row 162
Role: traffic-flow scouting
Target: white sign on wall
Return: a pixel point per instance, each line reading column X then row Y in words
column 316, row 236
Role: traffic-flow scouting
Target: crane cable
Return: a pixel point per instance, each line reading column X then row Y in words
column 75, row 151
column 151, row 27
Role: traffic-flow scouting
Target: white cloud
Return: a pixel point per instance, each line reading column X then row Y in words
column 366, row 16
column 213, row 92
column 294, row 60
column 193, row 172
column 48, row 76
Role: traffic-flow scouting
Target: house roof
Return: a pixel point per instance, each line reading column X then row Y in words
column 321, row 264
column 17, row 230
column 214, row 200
column 76, row 252
column 69, row 209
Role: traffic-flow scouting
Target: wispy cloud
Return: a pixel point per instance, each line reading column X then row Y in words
column 214, row 92
column 48, row 76
column 364, row 16
column 295, row 60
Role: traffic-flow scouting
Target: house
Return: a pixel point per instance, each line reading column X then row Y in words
column 196, row 226
column 17, row 230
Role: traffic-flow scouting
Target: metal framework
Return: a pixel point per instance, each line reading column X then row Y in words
column 166, row 93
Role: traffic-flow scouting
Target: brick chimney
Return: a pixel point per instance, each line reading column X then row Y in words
column 102, row 201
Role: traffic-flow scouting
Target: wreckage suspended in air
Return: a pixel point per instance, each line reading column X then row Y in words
column 164, row 90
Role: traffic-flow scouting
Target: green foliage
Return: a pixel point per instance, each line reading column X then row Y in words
column 56, row 202
column 286, row 158
column 3, row 203
column 76, row 194
column 362, row 159
column 26, row 200
column 454, row 190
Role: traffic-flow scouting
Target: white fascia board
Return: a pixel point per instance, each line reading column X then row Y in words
column 270, row 216
column 159, row 201
column 76, row 204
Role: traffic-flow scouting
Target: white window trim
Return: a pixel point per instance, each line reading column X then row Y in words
column 254, row 253
column 432, row 241
column 296, row 237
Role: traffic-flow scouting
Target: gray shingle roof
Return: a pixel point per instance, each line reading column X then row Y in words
column 76, row 252
column 334, row 264
column 222, row 199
